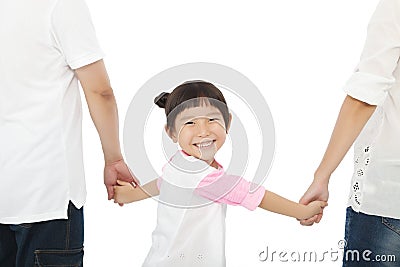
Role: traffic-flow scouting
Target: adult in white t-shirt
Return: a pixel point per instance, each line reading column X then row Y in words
column 370, row 113
column 46, row 47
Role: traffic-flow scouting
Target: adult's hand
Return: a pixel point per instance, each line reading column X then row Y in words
column 103, row 110
column 318, row 190
column 114, row 171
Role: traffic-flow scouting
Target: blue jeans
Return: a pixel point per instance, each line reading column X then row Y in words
column 371, row 240
column 49, row 243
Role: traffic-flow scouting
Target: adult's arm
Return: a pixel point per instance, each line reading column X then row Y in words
column 367, row 88
column 352, row 118
column 103, row 111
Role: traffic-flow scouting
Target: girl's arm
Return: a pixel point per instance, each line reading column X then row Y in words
column 125, row 193
column 275, row 203
column 234, row 190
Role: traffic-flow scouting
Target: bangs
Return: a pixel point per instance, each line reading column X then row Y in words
column 195, row 94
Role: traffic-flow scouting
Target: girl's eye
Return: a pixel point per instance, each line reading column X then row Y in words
column 213, row 119
column 189, row 123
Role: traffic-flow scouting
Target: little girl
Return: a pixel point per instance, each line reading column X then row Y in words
column 193, row 189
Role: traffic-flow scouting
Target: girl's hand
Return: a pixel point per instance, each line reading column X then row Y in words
column 123, row 192
column 312, row 209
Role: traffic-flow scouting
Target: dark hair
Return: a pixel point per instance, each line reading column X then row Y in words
column 200, row 91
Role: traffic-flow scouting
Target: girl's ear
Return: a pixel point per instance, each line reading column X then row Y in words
column 229, row 123
column 170, row 133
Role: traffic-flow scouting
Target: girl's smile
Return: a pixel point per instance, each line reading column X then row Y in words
column 200, row 131
column 205, row 144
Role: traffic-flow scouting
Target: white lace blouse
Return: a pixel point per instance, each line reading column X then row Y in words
column 375, row 187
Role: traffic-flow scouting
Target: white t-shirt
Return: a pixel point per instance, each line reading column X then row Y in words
column 188, row 232
column 191, row 214
column 41, row 167
column 375, row 187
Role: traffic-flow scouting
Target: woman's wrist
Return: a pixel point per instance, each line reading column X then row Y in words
column 322, row 176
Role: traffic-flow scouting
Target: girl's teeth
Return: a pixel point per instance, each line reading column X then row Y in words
column 204, row 144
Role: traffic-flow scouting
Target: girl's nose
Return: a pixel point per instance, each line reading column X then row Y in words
column 202, row 127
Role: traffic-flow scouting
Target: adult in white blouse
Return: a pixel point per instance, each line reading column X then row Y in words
column 46, row 46
column 371, row 114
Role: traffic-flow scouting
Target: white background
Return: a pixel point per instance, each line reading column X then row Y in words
column 298, row 53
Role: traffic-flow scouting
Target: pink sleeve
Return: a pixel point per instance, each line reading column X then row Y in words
column 230, row 189
column 159, row 180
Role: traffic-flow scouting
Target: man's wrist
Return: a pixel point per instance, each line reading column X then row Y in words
column 113, row 159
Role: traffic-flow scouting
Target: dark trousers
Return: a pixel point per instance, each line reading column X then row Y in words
column 49, row 243
column 372, row 241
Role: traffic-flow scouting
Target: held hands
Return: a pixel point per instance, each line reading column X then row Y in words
column 314, row 208
column 124, row 192
column 318, row 190
column 117, row 170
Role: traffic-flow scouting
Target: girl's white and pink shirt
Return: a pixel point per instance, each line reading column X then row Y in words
column 191, row 213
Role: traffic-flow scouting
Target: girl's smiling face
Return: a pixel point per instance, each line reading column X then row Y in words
column 200, row 131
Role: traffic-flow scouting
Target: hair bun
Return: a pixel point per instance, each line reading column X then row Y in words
column 161, row 99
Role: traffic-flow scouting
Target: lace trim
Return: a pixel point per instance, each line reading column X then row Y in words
column 362, row 155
